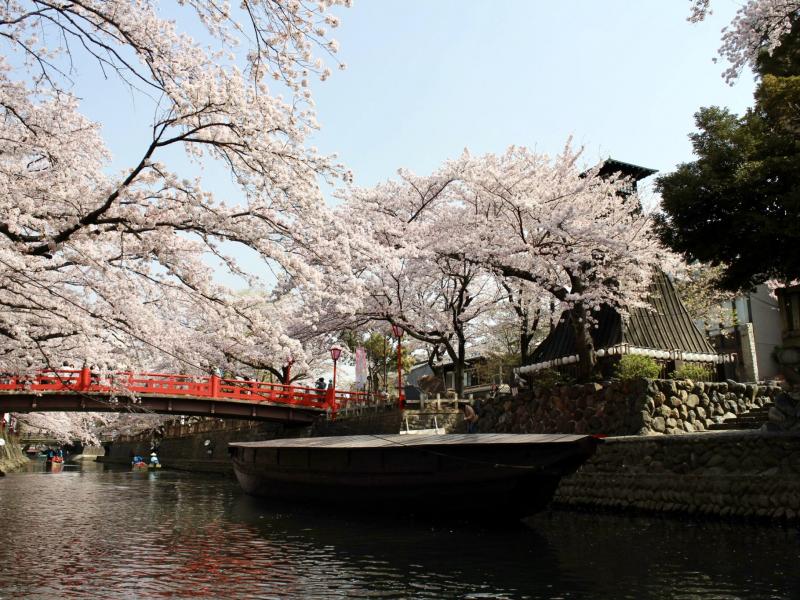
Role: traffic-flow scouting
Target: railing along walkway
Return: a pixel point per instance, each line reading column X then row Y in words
column 212, row 387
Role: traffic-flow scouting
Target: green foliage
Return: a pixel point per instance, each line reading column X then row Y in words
column 495, row 364
column 738, row 204
column 693, row 372
column 634, row 366
column 548, row 378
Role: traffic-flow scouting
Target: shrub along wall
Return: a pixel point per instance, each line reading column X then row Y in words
column 641, row 406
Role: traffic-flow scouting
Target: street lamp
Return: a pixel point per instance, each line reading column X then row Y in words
column 398, row 333
column 336, row 352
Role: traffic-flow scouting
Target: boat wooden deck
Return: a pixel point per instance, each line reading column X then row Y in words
column 387, row 441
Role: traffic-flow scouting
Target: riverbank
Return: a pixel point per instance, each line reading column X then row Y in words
column 740, row 474
column 745, row 474
column 11, row 455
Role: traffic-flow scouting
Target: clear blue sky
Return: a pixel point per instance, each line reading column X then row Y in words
column 427, row 78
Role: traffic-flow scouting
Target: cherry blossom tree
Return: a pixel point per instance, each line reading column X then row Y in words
column 581, row 237
column 529, row 219
column 112, row 268
column 759, row 25
column 435, row 297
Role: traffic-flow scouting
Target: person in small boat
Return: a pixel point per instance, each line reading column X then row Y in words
column 470, row 417
column 153, row 459
column 137, row 460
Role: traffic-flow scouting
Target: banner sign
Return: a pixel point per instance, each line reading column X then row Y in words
column 361, row 367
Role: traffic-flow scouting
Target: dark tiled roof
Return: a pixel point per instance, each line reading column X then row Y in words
column 667, row 327
column 637, row 172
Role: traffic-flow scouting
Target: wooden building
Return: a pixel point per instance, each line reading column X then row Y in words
column 664, row 331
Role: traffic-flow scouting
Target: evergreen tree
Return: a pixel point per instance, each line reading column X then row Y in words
column 738, row 204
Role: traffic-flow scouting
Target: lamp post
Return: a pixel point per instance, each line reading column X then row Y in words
column 336, row 352
column 398, row 333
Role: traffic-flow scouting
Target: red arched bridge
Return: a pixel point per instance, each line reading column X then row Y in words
column 210, row 396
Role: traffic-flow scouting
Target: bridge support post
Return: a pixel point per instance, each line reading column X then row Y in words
column 331, row 400
column 85, row 378
column 215, row 385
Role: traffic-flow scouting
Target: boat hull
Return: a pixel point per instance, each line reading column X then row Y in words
column 426, row 476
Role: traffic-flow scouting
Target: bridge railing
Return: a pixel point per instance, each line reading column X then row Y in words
column 213, row 386
column 263, row 391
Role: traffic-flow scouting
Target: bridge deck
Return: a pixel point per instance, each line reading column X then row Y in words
column 82, row 390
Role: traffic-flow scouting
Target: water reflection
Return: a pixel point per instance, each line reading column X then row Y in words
column 92, row 532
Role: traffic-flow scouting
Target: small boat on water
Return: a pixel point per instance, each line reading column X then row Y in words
column 509, row 475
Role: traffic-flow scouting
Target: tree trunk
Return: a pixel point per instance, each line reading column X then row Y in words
column 584, row 344
column 458, row 364
column 524, row 340
column 458, row 378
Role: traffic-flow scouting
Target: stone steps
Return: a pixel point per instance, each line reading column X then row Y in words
column 752, row 419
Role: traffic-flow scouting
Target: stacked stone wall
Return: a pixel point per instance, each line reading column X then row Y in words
column 785, row 414
column 736, row 474
column 643, row 406
column 11, row 455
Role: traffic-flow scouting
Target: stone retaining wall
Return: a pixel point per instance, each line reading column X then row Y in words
column 737, row 473
column 785, row 414
column 623, row 407
column 11, row 455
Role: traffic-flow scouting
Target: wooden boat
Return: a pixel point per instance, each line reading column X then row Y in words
column 485, row 475
column 139, row 466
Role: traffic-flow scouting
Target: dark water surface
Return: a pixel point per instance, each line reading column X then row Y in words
column 95, row 532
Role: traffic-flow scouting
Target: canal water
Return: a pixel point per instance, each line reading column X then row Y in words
column 98, row 532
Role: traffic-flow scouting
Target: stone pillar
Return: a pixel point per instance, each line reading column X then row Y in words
column 748, row 349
